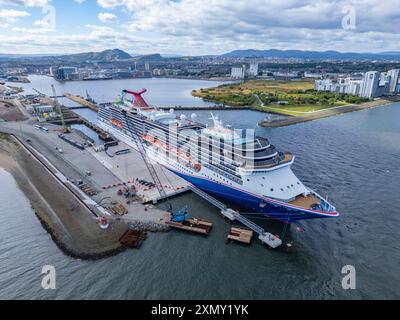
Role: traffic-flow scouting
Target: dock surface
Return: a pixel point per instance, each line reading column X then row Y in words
column 130, row 168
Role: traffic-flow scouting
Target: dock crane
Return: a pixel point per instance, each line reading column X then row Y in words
column 57, row 106
column 140, row 144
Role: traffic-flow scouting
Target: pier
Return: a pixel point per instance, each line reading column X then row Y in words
column 82, row 101
column 192, row 225
column 240, row 235
column 44, row 95
column 232, row 215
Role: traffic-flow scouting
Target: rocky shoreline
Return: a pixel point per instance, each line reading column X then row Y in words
column 72, row 227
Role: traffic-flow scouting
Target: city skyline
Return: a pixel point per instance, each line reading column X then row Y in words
column 193, row 27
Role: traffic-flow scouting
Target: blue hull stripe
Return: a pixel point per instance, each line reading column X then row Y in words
column 250, row 202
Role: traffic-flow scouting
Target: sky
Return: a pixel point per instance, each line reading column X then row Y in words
column 198, row 27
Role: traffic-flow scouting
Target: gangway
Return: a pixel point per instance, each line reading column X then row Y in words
column 264, row 236
column 207, row 197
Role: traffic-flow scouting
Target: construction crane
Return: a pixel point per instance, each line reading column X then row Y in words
column 57, row 106
column 140, row 144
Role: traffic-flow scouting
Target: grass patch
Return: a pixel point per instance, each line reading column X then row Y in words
column 299, row 97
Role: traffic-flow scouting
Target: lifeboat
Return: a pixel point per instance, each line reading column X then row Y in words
column 197, row 167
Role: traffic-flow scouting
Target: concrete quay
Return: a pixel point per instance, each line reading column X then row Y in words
column 70, row 215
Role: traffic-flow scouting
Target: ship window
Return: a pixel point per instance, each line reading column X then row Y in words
column 288, row 187
column 281, row 189
column 272, row 189
column 262, row 185
column 298, row 183
column 248, row 179
column 263, row 178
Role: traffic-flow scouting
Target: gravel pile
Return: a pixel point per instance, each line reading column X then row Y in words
column 148, row 226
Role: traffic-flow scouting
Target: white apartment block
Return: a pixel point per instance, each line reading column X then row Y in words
column 369, row 88
column 238, row 72
column 373, row 84
column 394, row 80
column 253, row 70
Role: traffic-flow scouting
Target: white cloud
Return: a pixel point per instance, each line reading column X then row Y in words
column 290, row 23
column 217, row 26
column 107, row 17
column 98, row 38
column 41, row 23
column 26, row 3
column 30, row 30
column 111, row 3
column 11, row 15
column 79, row 1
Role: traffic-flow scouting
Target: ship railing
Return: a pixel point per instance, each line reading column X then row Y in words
column 281, row 158
column 271, row 151
column 224, row 174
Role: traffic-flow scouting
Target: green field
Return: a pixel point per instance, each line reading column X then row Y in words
column 295, row 98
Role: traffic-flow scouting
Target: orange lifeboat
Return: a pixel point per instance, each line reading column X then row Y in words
column 197, row 167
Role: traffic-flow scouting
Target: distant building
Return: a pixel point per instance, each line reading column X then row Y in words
column 312, row 75
column 370, row 85
column 65, row 73
column 147, row 66
column 354, row 87
column 394, row 80
column 384, row 83
column 342, row 85
column 43, row 109
column 157, row 72
column 238, row 72
column 286, row 75
column 122, row 74
column 323, row 85
column 253, row 70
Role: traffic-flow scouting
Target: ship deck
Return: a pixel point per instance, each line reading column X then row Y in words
column 305, row 202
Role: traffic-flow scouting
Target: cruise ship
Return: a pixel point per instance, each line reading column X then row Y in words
column 248, row 172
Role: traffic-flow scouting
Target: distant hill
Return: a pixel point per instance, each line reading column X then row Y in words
column 300, row 54
column 149, row 57
column 106, row 55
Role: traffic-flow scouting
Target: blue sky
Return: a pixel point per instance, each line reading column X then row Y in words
column 196, row 26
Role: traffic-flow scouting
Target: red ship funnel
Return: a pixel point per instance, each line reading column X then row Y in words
column 138, row 102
